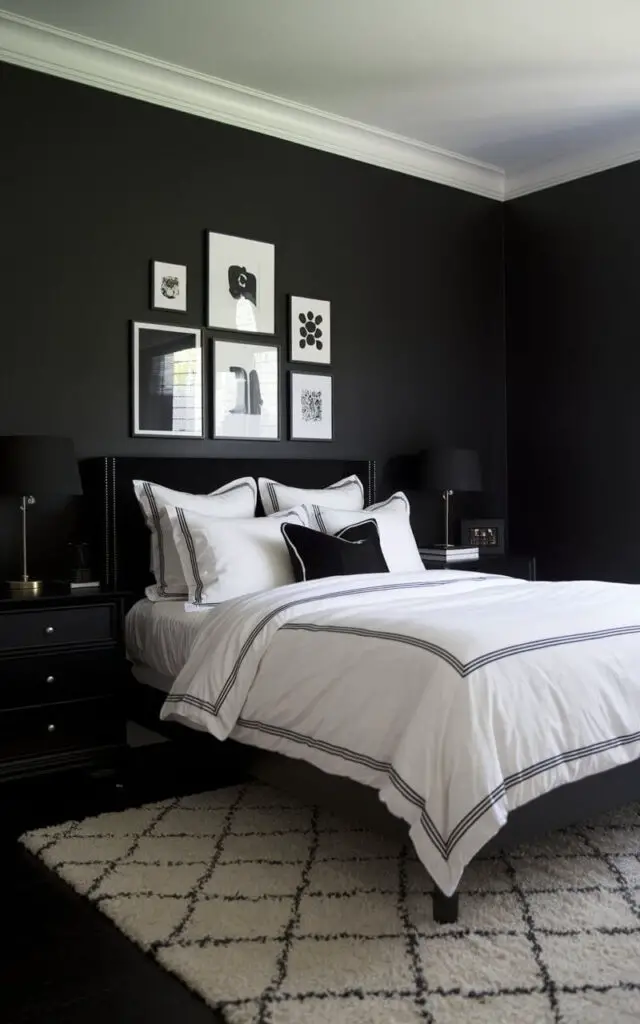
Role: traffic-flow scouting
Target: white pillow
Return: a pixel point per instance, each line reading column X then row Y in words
column 347, row 493
column 224, row 558
column 233, row 501
column 392, row 516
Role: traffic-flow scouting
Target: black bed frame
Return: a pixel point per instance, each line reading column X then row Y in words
column 122, row 541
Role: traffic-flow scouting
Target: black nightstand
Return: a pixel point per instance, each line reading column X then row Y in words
column 62, row 669
column 521, row 566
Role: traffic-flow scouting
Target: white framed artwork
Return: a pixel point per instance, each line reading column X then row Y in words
column 246, row 390
column 167, row 384
column 168, row 286
column 241, row 284
column 310, row 407
column 310, row 330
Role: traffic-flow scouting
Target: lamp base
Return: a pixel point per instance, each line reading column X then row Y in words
column 25, row 586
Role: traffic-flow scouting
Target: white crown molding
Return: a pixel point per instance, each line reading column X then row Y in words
column 568, row 169
column 44, row 48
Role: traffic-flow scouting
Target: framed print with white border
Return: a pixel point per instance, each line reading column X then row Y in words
column 310, row 407
column 246, row 389
column 309, row 330
column 167, row 381
column 240, row 284
column 168, row 286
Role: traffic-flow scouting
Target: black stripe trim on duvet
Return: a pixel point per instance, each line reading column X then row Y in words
column 444, row 847
column 465, row 669
column 266, row 619
column 516, row 778
column 410, row 795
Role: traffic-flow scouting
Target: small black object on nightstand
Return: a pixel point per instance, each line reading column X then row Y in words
column 62, row 670
column 521, row 566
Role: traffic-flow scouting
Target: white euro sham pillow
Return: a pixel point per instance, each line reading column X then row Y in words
column 392, row 517
column 235, row 500
column 276, row 497
column 223, row 558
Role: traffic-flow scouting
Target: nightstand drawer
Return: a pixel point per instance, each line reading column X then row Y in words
column 54, row 677
column 38, row 732
column 51, row 628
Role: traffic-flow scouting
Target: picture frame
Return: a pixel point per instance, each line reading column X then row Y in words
column 246, row 389
column 310, row 406
column 486, row 534
column 167, row 381
column 168, row 286
column 309, row 330
column 240, row 284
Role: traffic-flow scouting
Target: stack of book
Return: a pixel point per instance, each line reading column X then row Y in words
column 446, row 556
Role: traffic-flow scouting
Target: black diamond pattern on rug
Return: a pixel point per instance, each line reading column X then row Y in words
column 279, row 913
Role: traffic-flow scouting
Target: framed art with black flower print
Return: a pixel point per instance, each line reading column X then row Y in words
column 310, row 330
column 168, row 286
column 310, row 407
column 241, row 284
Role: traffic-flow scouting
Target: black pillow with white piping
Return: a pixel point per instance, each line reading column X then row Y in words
column 353, row 550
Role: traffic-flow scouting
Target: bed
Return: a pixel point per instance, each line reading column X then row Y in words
column 123, row 539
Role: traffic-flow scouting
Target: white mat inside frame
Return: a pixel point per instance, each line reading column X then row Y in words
column 277, row 912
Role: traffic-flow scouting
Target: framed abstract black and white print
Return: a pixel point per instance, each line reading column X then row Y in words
column 167, row 381
column 310, row 330
column 168, row 286
column 310, row 407
column 241, row 284
column 246, row 390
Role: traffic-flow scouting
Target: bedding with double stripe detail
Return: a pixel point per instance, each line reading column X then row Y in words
column 459, row 697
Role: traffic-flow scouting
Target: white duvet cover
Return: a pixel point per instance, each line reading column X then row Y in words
column 458, row 697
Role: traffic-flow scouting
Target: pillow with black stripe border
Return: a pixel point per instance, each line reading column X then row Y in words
column 352, row 551
column 227, row 558
column 276, row 497
column 392, row 516
column 234, row 500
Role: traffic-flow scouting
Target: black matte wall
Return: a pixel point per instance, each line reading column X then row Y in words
column 98, row 185
column 573, row 368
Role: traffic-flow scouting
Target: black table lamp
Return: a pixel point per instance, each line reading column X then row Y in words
column 35, row 464
column 448, row 470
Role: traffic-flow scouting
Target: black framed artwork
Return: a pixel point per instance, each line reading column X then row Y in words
column 310, row 407
column 168, row 286
column 246, row 389
column 486, row 534
column 167, row 381
column 309, row 330
column 240, row 284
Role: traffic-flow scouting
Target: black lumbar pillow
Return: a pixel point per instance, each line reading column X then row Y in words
column 314, row 555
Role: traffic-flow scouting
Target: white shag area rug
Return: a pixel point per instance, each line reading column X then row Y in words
column 278, row 913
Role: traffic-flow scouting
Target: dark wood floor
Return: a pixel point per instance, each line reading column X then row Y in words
column 61, row 960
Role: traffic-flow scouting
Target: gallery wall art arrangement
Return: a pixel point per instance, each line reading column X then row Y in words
column 170, row 396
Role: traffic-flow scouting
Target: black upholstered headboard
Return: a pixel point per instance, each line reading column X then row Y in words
column 117, row 532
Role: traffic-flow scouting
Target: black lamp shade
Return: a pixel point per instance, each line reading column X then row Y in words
column 37, row 464
column 452, row 469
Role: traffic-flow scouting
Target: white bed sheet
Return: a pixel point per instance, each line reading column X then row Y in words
column 160, row 635
column 459, row 697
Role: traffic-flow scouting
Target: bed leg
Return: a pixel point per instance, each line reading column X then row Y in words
column 445, row 908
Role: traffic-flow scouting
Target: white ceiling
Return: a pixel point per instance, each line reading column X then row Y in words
column 544, row 90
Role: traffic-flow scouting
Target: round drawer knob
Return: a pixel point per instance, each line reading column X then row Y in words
column 50, row 679
column 49, row 630
column 51, row 728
